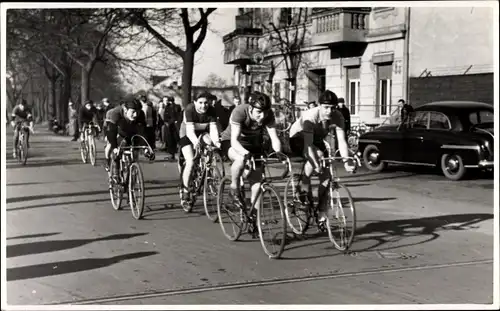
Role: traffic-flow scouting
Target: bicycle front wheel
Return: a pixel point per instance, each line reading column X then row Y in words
column 23, row 150
column 83, row 150
column 136, row 190
column 210, row 187
column 230, row 216
column 92, row 151
column 341, row 221
column 271, row 222
column 297, row 215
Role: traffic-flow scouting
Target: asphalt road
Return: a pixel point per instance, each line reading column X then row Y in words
column 421, row 240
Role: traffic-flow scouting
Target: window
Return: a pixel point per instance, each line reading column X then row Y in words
column 353, row 96
column 384, row 90
column 276, row 93
column 286, row 17
column 482, row 116
column 439, row 121
column 420, row 120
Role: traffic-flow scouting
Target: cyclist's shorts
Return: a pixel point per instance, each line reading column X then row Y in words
column 297, row 145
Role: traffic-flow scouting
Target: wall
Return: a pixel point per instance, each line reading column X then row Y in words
column 474, row 87
column 447, row 39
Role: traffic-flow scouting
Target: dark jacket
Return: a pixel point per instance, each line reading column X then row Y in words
column 223, row 113
column 171, row 113
column 347, row 118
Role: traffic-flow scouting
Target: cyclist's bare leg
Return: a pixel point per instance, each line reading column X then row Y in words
column 237, row 167
column 16, row 138
column 188, row 153
column 308, row 170
column 254, row 178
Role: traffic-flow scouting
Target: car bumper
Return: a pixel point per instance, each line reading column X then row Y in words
column 485, row 164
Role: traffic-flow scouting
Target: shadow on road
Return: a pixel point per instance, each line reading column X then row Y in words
column 70, row 266
column 393, row 231
column 57, row 245
column 29, row 236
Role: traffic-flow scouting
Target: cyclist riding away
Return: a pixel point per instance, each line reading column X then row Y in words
column 123, row 122
column 20, row 114
column 245, row 134
column 307, row 138
column 199, row 118
column 88, row 113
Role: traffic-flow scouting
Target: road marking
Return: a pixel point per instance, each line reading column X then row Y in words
column 275, row 281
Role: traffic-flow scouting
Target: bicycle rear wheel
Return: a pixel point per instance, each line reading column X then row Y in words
column 297, row 215
column 341, row 221
column 230, row 216
column 92, row 150
column 115, row 189
column 210, row 187
column 271, row 222
column 136, row 190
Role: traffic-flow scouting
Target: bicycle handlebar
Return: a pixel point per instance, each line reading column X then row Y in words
column 269, row 159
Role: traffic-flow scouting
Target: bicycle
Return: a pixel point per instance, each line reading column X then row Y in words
column 130, row 174
column 87, row 143
column 300, row 216
column 22, row 143
column 241, row 220
column 208, row 169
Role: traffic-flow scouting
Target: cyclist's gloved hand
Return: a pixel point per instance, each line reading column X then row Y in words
column 149, row 155
column 13, row 123
column 350, row 166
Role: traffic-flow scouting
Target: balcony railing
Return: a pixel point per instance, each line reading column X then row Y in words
column 240, row 47
column 340, row 25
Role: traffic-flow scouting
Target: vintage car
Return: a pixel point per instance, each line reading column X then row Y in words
column 455, row 136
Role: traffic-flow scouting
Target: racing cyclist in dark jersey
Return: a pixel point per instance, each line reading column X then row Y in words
column 20, row 114
column 199, row 118
column 123, row 122
column 243, row 138
column 87, row 114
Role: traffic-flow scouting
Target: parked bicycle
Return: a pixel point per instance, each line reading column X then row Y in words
column 87, row 143
column 269, row 217
column 130, row 178
column 341, row 221
column 207, row 172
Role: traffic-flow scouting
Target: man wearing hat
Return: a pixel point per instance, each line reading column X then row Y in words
column 171, row 114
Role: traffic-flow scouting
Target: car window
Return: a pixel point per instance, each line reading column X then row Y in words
column 439, row 121
column 481, row 116
column 420, row 119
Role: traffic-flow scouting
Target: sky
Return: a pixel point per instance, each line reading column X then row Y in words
column 211, row 54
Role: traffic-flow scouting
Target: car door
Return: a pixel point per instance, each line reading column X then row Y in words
column 413, row 138
column 435, row 136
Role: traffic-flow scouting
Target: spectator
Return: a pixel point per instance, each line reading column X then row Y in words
column 236, row 101
column 347, row 115
column 73, row 121
column 311, row 105
column 171, row 115
column 405, row 111
column 151, row 117
column 223, row 113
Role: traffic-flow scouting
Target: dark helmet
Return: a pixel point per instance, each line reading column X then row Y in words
column 89, row 102
column 328, row 98
column 260, row 100
column 23, row 102
column 133, row 104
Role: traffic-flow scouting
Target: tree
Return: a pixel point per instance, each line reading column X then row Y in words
column 159, row 21
column 214, row 80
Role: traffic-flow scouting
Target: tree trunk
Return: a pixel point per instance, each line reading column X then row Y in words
column 84, row 87
column 52, row 98
column 187, row 76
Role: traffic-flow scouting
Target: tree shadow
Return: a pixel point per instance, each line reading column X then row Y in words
column 70, row 266
column 30, row 236
column 57, row 245
column 38, row 162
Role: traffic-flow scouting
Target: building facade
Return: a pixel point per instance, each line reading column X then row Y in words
column 365, row 55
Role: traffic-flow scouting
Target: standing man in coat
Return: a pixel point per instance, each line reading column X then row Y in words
column 171, row 115
column 151, row 119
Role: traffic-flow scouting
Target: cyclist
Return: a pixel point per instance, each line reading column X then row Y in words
column 199, row 118
column 87, row 114
column 20, row 114
column 307, row 138
column 245, row 137
column 123, row 122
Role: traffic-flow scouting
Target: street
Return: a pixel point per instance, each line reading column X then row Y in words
column 421, row 239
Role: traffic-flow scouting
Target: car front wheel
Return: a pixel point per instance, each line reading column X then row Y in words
column 372, row 159
column 452, row 166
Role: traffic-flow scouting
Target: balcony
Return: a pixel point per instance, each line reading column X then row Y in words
column 241, row 44
column 338, row 25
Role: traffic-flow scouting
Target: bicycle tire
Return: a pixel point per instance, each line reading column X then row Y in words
column 92, row 150
column 297, row 216
column 135, row 174
column 116, row 201
column 83, row 151
column 271, row 251
column 24, row 150
column 234, row 216
column 210, row 187
column 337, row 219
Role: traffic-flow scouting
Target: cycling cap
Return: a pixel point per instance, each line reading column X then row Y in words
column 88, row 101
column 328, row 98
column 260, row 100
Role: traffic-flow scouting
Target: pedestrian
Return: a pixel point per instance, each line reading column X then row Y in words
column 171, row 115
column 347, row 115
column 73, row 121
column 406, row 111
column 151, row 118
